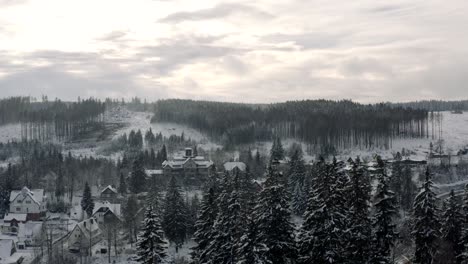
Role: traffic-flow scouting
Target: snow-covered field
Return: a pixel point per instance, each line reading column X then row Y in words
column 10, row 132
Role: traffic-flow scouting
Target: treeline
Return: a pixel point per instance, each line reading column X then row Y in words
column 320, row 123
column 52, row 120
column 136, row 141
column 435, row 105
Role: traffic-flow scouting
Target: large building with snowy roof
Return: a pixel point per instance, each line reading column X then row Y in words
column 189, row 169
column 30, row 202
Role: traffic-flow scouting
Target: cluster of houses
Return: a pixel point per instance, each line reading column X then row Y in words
column 23, row 226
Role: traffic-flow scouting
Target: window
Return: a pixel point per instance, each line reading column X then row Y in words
column 19, row 201
column 18, row 209
column 28, row 202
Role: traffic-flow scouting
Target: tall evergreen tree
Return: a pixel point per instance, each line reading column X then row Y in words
column 60, row 185
column 273, row 219
column 359, row 221
column 463, row 257
column 138, row 176
column 122, row 185
column 322, row 233
column 426, row 229
column 87, row 203
column 175, row 215
column 384, row 234
column 277, row 150
column 408, row 189
column 452, row 229
column 229, row 224
column 151, row 246
column 204, row 226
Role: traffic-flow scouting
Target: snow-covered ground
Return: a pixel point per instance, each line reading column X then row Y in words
column 10, row 132
column 454, row 134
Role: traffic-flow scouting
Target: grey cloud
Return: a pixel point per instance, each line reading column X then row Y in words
column 359, row 66
column 218, row 11
column 115, row 35
column 309, row 40
column 6, row 3
column 177, row 52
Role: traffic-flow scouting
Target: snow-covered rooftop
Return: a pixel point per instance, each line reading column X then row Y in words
column 18, row 217
column 37, row 195
column 229, row 166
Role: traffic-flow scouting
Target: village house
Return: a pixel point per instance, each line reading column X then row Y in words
column 188, row 169
column 106, row 212
column 85, row 233
column 29, row 202
column 109, row 193
column 234, row 167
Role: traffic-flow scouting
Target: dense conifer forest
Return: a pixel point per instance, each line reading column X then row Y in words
column 321, row 123
column 48, row 120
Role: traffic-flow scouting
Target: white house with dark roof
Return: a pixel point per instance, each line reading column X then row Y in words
column 30, row 202
column 106, row 211
column 84, row 233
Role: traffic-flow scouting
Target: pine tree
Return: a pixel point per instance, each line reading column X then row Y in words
column 384, row 234
column 463, row 257
column 273, row 219
column 277, row 150
column 129, row 214
column 151, row 246
column 296, row 181
column 321, row 235
column 163, row 153
column 408, row 189
column 358, row 193
column 452, row 228
column 249, row 251
column 175, row 215
column 87, row 203
column 426, row 229
column 138, row 177
column 229, row 226
column 60, row 185
column 122, row 184
column 396, row 177
column 204, row 233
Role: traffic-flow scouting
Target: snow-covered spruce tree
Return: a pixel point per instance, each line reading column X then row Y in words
column 396, row 176
column 452, row 228
column 384, row 233
column 229, row 225
column 277, row 150
column 296, row 182
column 408, row 189
column 249, row 251
column 203, row 226
column 321, row 235
column 359, row 222
column 273, row 217
column 87, row 203
column 151, row 246
column 138, row 176
column 426, row 229
column 463, row 257
column 175, row 215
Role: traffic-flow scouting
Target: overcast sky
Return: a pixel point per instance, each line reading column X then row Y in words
column 242, row 51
